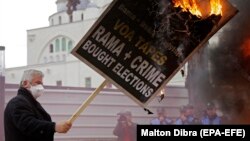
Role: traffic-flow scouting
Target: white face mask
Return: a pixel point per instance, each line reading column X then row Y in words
column 37, row 90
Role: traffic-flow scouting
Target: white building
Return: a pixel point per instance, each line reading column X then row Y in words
column 49, row 48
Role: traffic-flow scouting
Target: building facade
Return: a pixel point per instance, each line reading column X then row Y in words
column 49, row 48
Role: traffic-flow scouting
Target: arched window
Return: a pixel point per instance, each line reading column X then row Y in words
column 88, row 82
column 51, row 48
column 59, row 83
column 70, row 45
column 82, row 17
column 60, row 20
column 63, row 44
column 71, row 18
column 57, row 45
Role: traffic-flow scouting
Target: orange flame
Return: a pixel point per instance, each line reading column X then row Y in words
column 245, row 48
column 193, row 7
column 216, row 7
column 188, row 5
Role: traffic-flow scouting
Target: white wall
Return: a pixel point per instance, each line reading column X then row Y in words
column 39, row 39
column 72, row 73
column 98, row 120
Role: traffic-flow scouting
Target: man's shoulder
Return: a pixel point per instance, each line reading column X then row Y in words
column 17, row 100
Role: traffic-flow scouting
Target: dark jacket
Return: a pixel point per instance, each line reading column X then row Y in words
column 26, row 120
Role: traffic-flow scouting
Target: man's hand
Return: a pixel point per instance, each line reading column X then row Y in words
column 63, row 126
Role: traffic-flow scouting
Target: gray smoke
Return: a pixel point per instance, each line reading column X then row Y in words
column 229, row 73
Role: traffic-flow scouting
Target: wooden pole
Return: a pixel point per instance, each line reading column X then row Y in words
column 87, row 102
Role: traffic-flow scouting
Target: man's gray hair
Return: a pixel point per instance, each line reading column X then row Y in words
column 29, row 74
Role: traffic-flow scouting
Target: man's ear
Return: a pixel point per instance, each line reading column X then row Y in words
column 26, row 84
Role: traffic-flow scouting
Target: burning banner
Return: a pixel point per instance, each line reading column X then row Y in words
column 140, row 45
column 182, row 24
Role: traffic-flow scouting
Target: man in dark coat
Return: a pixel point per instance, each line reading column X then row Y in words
column 125, row 129
column 24, row 117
